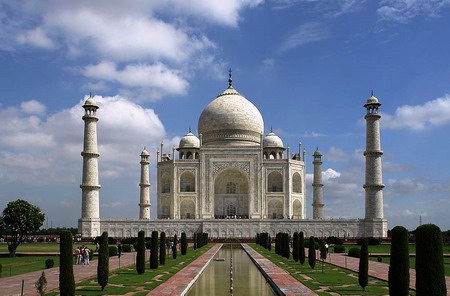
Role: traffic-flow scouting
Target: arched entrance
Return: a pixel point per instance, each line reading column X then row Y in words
column 187, row 209
column 297, row 207
column 231, row 194
column 275, row 209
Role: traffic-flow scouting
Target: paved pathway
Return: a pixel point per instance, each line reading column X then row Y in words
column 376, row 269
column 11, row 286
column 284, row 281
column 181, row 282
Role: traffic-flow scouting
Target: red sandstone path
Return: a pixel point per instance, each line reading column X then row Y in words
column 11, row 286
column 376, row 269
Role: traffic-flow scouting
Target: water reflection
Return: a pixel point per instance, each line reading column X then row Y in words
column 247, row 279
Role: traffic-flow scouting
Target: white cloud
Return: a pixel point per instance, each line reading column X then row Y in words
column 431, row 114
column 33, row 107
column 406, row 186
column 307, row 33
column 36, row 37
column 329, row 8
column 404, row 10
column 47, row 151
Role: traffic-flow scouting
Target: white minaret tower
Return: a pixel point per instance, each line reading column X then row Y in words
column 317, row 186
column 144, row 201
column 89, row 224
column 374, row 183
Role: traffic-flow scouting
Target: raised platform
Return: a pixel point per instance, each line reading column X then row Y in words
column 239, row 228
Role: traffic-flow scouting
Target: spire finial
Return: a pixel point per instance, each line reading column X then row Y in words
column 144, row 148
column 230, row 80
column 317, row 147
column 271, row 129
column 189, row 128
column 371, row 93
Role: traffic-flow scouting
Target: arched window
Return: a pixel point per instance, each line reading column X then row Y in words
column 189, row 155
column 231, row 187
column 165, row 183
column 297, row 207
column 187, row 182
column 275, row 182
column 296, row 183
column 273, row 155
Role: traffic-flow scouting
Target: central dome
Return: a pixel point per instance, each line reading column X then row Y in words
column 231, row 120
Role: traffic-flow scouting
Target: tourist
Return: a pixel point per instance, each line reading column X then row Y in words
column 86, row 255
column 77, row 255
column 119, row 249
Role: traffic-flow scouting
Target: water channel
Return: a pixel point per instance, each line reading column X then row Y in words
column 247, row 279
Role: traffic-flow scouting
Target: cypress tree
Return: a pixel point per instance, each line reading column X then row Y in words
column 195, row 240
column 140, row 256
column 174, row 248
column 323, row 253
column 363, row 275
column 154, row 251
column 269, row 243
column 162, row 248
column 399, row 266
column 430, row 275
column 295, row 241
column 257, row 239
column 301, row 248
column 66, row 279
column 183, row 243
column 282, row 245
column 288, row 246
column 311, row 253
column 103, row 261
column 277, row 243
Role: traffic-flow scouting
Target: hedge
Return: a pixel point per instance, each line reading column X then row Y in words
column 339, row 249
column 49, row 263
column 112, row 250
column 354, row 252
column 126, row 248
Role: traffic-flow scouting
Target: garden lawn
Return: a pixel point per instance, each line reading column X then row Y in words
column 33, row 247
column 19, row 265
column 387, row 249
column 126, row 280
column 412, row 263
column 333, row 279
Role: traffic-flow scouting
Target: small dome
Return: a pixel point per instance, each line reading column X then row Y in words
column 272, row 140
column 189, row 141
column 90, row 102
column 144, row 152
column 317, row 152
column 231, row 119
column 372, row 100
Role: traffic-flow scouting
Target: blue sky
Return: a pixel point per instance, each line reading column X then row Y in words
column 308, row 65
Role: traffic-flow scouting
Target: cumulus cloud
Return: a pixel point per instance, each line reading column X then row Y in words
column 36, row 37
column 33, row 107
column 47, row 150
column 431, row 114
column 330, row 8
column 404, row 10
column 307, row 33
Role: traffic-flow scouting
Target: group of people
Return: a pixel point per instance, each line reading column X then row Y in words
column 82, row 255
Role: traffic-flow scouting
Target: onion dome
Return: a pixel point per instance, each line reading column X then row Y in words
column 189, row 141
column 372, row 101
column 272, row 141
column 144, row 152
column 317, row 152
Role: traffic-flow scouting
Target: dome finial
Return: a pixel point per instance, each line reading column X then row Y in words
column 271, row 129
column 371, row 93
column 189, row 128
column 230, row 80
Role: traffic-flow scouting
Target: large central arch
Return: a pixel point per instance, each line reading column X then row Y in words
column 231, row 194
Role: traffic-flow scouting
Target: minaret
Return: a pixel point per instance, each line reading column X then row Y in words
column 144, row 204
column 373, row 183
column 89, row 224
column 317, row 186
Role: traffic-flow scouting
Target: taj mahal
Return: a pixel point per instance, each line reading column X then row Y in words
column 232, row 180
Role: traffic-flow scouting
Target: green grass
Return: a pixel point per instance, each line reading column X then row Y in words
column 20, row 265
column 126, row 280
column 412, row 263
column 42, row 247
column 338, row 280
column 387, row 249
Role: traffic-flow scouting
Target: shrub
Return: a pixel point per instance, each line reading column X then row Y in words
column 332, row 240
column 373, row 241
column 360, row 241
column 183, row 243
column 41, row 284
column 379, row 259
column 363, row 274
column 140, row 256
column 398, row 276
column 49, row 263
column 269, row 243
column 174, row 248
column 1, row 267
column 154, row 251
column 277, row 243
column 66, row 279
column 430, row 276
column 112, row 251
column 162, row 248
column 148, row 244
column 129, row 240
column 257, row 239
column 195, row 240
column 103, row 261
column 354, row 252
column 295, row 241
column 231, row 240
column 311, row 253
column 288, row 246
column 126, row 248
column 301, row 246
column 339, row 249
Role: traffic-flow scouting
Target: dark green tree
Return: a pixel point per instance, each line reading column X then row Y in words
column 195, row 240
column 174, row 247
column 258, row 242
column 18, row 220
column 311, row 252
column 323, row 253
column 162, row 248
column 283, row 245
column 66, row 279
column 269, row 243
column 430, row 273
column 103, row 261
column 154, row 251
column 183, row 243
column 301, row 247
column 399, row 263
column 288, row 246
column 363, row 274
column 140, row 256
column 295, row 241
column 277, row 243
